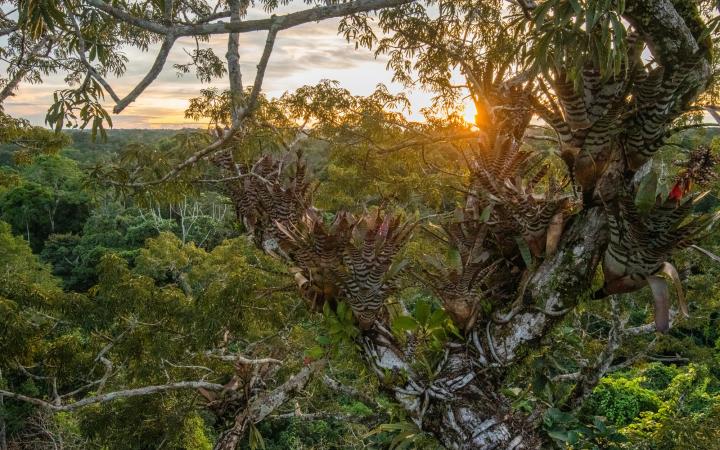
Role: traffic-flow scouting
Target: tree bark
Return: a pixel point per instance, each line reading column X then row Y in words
column 264, row 404
column 461, row 405
column 461, row 402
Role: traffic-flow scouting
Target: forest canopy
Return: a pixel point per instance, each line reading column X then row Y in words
column 321, row 270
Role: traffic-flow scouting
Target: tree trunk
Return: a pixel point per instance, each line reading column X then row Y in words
column 461, row 402
column 461, row 406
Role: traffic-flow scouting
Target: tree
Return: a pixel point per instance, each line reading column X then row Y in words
column 48, row 200
column 534, row 238
column 179, row 313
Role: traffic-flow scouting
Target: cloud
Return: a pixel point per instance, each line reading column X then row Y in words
column 302, row 55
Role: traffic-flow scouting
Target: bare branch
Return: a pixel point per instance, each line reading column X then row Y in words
column 291, row 20
column 707, row 253
column 676, row 130
column 315, row 416
column 590, row 376
column 427, row 141
column 243, row 360
column 213, row 16
column 236, row 177
column 237, row 124
column 265, row 403
column 233, row 59
column 153, row 73
column 713, row 110
column 347, row 390
column 260, row 74
column 648, row 328
column 85, row 62
column 128, row 18
column 127, row 393
column 281, row 22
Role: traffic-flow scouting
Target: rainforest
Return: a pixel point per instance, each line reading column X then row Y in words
column 362, row 224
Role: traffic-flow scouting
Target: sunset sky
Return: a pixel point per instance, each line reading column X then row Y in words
column 302, row 55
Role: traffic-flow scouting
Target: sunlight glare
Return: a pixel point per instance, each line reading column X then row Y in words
column 469, row 111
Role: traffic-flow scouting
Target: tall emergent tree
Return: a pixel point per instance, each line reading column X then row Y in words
column 534, row 237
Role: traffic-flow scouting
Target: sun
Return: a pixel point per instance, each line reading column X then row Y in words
column 469, row 111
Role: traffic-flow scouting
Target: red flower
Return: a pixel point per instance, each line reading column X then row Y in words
column 676, row 193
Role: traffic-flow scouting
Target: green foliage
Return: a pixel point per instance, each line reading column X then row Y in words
column 165, row 286
column 16, row 259
column 39, row 17
column 77, row 108
column 301, row 434
column 566, row 431
column 687, row 417
column 145, row 423
column 49, row 199
column 194, row 434
column 23, row 142
column 171, row 306
column 341, row 328
column 402, row 435
column 75, row 257
column 657, row 376
column 622, row 400
column 429, row 323
column 429, row 328
column 572, row 34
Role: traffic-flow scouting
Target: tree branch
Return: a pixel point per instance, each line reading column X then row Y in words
column 236, row 125
column 155, row 70
column 110, row 396
column 429, row 140
column 682, row 128
column 128, row 18
column 233, row 60
column 83, row 58
column 347, row 390
column 264, row 404
column 591, row 376
column 571, row 266
column 23, row 68
column 281, row 22
column 707, row 253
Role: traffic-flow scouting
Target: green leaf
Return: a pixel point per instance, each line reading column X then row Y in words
column 573, row 437
column 341, row 310
column 396, row 268
column 404, row 323
column 485, row 215
column 646, row 192
column 558, row 416
column 524, row 251
column 315, row 352
column 576, row 6
column 559, row 435
column 437, row 318
column 422, row 311
column 255, row 439
column 540, row 13
column 454, row 259
column 599, row 424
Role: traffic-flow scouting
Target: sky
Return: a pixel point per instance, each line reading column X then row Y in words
column 303, row 55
